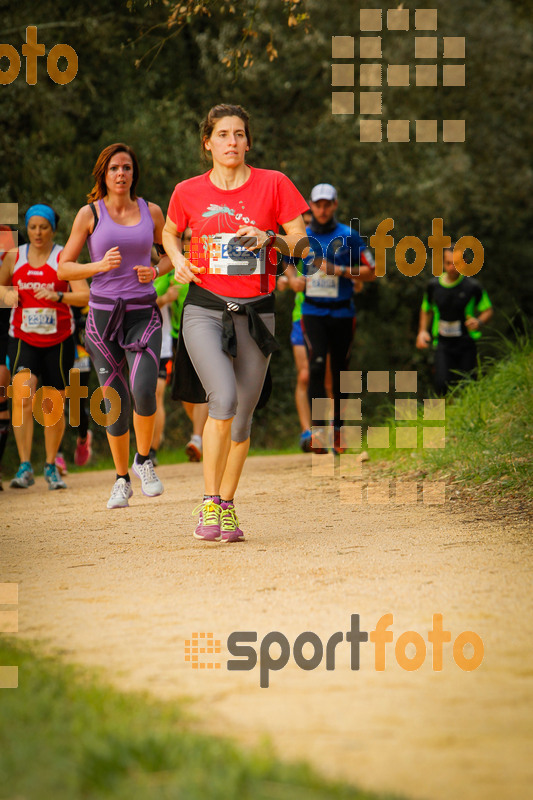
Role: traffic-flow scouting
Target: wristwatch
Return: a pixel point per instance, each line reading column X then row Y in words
column 271, row 238
column 60, row 297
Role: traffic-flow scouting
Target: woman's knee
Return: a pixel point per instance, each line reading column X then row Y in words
column 220, row 425
column 122, row 422
column 222, row 403
column 120, row 427
column 145, row 403
column 242, row 424
column 241, row 427
column 143, row 390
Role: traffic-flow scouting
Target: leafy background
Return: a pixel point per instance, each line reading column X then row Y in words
column 148, row 72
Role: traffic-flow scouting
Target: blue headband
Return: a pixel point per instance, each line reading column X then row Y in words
column 40, row 210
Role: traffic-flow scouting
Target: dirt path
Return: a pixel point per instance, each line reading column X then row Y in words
column 125, row 589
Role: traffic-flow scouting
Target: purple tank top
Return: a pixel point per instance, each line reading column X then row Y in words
column 134, row 243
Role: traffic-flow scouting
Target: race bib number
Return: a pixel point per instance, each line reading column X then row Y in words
column 450, row 329
column 221, row 254
column 322, row 285
column 39, row 320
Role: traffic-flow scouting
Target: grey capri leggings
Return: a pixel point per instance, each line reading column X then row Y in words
column 232, row 385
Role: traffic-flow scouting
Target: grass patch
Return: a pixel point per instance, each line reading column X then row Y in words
column 66, row 736
column 489, row 430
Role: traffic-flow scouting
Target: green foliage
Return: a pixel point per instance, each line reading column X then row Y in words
column 66, row 736
column 149, row 83
column 489, row 429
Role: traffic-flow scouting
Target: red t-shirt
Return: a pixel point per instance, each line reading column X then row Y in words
column 266, row 200
column 41, row 323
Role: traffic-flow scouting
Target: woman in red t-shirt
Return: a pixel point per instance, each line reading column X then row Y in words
column 40, row 336
column 234, row 211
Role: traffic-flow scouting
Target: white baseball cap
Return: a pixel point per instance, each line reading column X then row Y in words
column 323, row 191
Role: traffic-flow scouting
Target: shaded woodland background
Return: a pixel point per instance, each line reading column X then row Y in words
column 148, row 72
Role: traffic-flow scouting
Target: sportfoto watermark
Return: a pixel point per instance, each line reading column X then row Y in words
column 19, row 390
column 437, row 242
column 32, row 50
column 239, row 644
column 382, row 241
column 337, row 249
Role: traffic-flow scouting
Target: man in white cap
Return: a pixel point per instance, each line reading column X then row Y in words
column 338, row 256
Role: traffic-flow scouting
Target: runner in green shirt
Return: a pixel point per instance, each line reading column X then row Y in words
column 456, row 307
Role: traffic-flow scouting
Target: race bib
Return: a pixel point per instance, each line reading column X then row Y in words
column 221, row 254
column 39, row 320
column 322, row 285
column 450, row 328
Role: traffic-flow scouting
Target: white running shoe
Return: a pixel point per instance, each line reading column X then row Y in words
column 53, row 478
column 151, row 486
column 120, row 494
column 194, row 450
column 24, row 477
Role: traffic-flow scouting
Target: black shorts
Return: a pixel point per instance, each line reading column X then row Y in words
column 50, row 364
column 4, row 342
column 5, row 314
column 454, row 358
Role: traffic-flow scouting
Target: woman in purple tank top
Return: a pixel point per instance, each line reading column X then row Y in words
column 123, row 331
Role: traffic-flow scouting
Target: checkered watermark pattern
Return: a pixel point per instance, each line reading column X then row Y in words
column 375, row 73
column 408, row 434
column 200, row 645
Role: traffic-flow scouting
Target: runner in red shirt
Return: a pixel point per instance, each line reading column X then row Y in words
column 234, row 211
column 40, row 334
